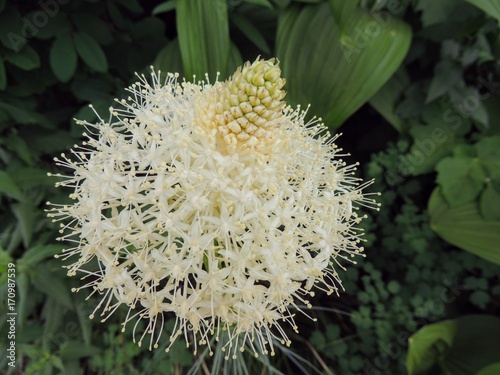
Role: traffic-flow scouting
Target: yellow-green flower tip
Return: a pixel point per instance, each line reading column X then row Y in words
column 245, row 110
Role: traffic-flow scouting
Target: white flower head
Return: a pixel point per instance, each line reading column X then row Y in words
column 213, row 202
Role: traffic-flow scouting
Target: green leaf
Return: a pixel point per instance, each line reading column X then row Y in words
column 431, row 144
column 27, row 178
column 46, row 281
column 9, row 187
column 94, row 27
column 76, row 349
column 40, row 252
column 489, row 203
column 52, row 314
column 169, row 58
column 480, row 299
column 203, row 32
column 164, row 7
column 3, row 76
column 490, row 370
column 63, row 58
column 446, row 75
column 464, row 227
column 17, row 145
column 251, row 32
column 22, row 283
column 117, row 16
column 26, row 215
column 488, row 150
column 434, row 12
column 264, row 3
column 24, row 116
column 386, row 99
column 337, row 76
column 343, row 11
column 90, row 52
column 5, row 259
column 26, row 59
column 460, row 346
column 461, row 179
column 491, row 7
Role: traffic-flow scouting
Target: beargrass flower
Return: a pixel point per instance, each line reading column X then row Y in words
column 216, row 203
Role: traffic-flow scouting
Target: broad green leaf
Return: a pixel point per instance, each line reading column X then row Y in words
column 337, row 77
column 251, row 32
column 203, row 32
column 39, row 252
column 2, row 4
column 491, row 7
column 488, row 150
column 9, row 187
column 386, row 99
column 3, row 76
column 461, row 179
column 429, row 344
column 164, row 7
column 90, row 52
column 490, row 370
column 489, row 203
column 343, row 11
column 51, row 284
column 460, row 346
column 464, row 227
column 63, row 58
column 26, row 59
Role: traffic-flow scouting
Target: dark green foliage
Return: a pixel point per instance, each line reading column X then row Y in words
column 433, row 149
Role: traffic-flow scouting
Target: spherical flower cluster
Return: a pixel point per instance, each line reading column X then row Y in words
column 213, row 202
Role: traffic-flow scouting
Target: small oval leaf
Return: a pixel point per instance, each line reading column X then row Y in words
column 90, row 52
column 26, row 59
column 63, row 58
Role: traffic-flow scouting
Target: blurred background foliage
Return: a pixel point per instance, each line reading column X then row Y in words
column 414, row 87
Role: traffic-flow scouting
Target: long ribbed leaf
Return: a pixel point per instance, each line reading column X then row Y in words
column 203, row 33
column 464, row 227
column 338, row 73
column 342, row 11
